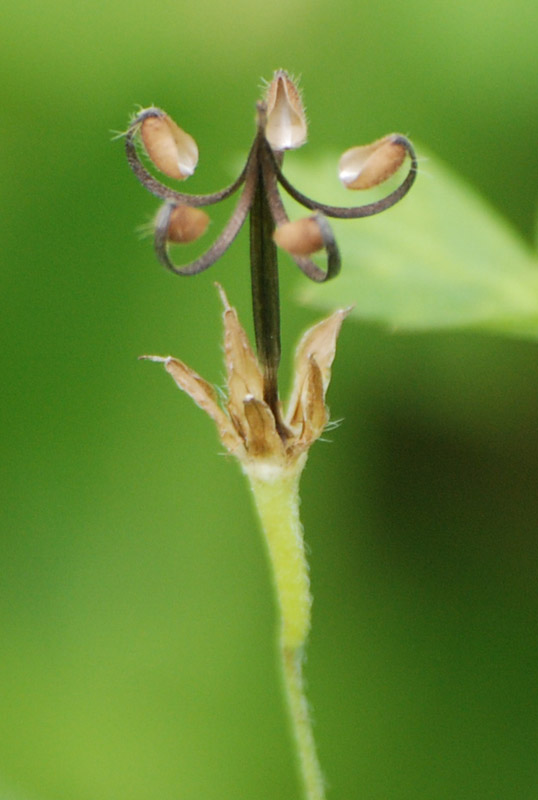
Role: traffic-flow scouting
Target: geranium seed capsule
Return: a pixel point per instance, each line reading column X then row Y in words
column 187, row 224
column 171, row 150
column 367, row 166
column 285, row 128
column 300, row 238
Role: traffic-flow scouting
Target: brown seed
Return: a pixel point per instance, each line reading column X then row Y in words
column 187, row 224
column 367, row 166
column 300, row 238
column 171, row 150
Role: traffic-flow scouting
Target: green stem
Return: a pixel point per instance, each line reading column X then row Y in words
column 276, row 494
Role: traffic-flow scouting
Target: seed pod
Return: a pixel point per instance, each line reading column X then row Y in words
column 367, row 166
column 187, row 224
column 171, row 150
column 300, row 238
column 286, row 121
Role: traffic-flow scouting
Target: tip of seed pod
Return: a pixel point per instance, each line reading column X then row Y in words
column 286, row 127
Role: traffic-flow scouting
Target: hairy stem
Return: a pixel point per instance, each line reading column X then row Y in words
column 276, row 494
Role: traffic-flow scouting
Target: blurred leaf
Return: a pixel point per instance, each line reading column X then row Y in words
column 442, row 258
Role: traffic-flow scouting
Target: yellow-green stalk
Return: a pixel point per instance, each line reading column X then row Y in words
column 276, row 495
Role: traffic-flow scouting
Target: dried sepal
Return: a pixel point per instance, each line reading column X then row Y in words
column 285, row 127
column 248, row 426
column 262, row 435
column 243, row 375
column 367, row 166
column 318, row 344
column 204, row 395
column 313, row 411
column 302, row 237
column 186, row 224
column 173, row 151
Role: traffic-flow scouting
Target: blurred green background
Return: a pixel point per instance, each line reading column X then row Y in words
column 137, row 624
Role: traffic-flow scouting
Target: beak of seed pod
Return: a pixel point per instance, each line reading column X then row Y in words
column 367, row 166
column 286, row 121
column 170, row 149
column 302, row 237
